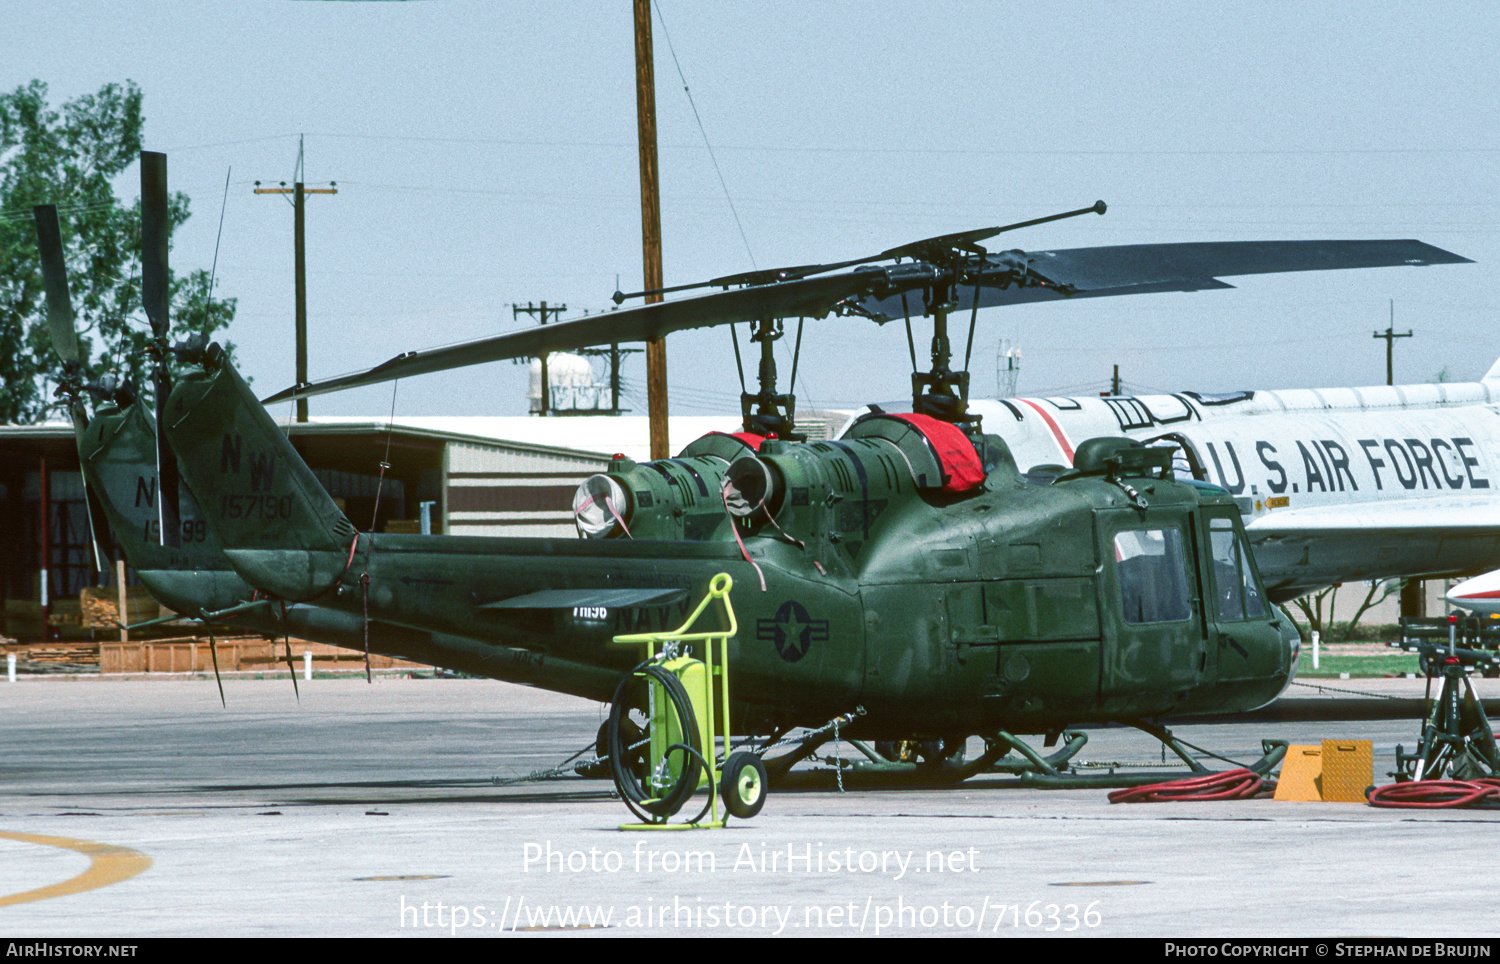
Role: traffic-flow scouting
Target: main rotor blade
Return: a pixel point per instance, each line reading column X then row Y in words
column 55, row 280
column 1134, row 269
column 808, row 298
column 1012, row 277
column 155, row 293
column 1141, row 264
column 928, row 249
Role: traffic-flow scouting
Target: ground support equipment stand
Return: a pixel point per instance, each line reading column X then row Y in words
column 1473, row 639
column 1457, row 741
column 687, row 704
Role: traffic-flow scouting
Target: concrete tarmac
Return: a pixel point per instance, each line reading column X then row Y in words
column 132, row 807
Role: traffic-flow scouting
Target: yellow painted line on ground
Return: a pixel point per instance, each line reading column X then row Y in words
column 108, row 865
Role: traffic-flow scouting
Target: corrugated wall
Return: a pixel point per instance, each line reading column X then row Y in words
column 493, row 490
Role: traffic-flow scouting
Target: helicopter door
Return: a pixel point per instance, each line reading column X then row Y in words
column 1149, row 603
column 1249, row 642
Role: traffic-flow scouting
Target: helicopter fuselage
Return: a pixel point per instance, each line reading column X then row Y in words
column 863, row 577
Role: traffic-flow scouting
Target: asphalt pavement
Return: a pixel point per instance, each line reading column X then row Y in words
column 426, row 807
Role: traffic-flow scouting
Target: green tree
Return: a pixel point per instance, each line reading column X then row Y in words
column 70, row 157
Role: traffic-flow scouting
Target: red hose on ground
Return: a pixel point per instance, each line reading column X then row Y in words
column 1434, row 794
column 1239, row 784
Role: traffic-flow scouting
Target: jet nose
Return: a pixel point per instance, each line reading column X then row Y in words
column 1480, row 594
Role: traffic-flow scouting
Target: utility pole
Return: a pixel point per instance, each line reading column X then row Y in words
column 1114, row 383
column 614, row 378
column 613, row 353
column 1413, row 591
column 1390, row 337
column 645, row 114
column 541, row 311
column 299, row 194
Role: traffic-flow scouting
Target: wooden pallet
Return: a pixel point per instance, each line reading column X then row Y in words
column 235, row 654
column 100, row 608
column 40, row 657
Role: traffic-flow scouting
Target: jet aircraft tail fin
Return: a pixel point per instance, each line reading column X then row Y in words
column 1493, row 375
column 276, row 523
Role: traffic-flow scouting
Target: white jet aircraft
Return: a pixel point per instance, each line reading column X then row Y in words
column 1335, row 484
column 1478, row 595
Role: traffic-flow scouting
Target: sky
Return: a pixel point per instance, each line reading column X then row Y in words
column 485, row 156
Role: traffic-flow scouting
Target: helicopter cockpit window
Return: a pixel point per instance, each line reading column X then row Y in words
column 1153, row 575
column 1237, row 592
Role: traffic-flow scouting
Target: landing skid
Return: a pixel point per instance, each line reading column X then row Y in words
column 1004, row 755
column 1272, row 753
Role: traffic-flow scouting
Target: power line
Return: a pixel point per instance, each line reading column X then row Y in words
column 701, row 130
column 958, row 151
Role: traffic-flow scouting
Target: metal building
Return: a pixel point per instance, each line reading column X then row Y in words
column 437, row 481
column 472, row 476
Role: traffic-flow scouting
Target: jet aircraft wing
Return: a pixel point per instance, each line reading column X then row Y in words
column 1473, row 515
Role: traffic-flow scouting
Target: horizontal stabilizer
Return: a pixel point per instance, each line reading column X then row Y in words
column 590, row 599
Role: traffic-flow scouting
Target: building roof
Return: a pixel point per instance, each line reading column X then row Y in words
column 602, row 435
column 595, row 435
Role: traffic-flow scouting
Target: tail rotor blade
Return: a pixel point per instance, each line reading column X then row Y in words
column 65, row 343
column 55, row 280
column 155, row 230
column 155, row 298
column 168, row 476
column 98, row 526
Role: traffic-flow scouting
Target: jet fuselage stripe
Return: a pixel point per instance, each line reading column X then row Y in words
column 1057, row 432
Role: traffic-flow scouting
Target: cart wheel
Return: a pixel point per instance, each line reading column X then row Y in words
column 743, row 784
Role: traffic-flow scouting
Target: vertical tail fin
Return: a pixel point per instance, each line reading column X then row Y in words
column 118, row 455
column 280, row 529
